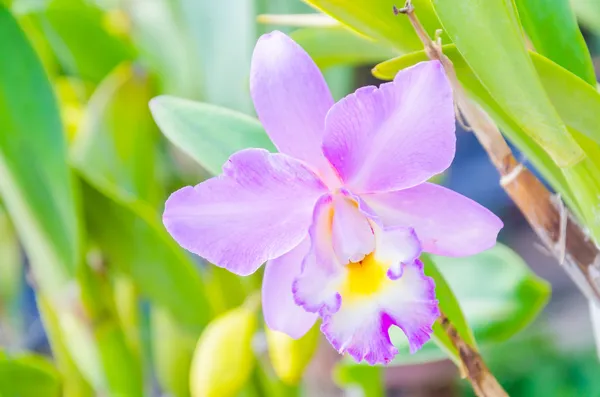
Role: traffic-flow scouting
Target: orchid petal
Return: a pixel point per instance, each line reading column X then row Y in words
column 280, row 311
column 361, row 327
column 291, row 99
column 445, row 222
column 259, row 209
column 315, row 289
column 396, row 136
column 352, row 235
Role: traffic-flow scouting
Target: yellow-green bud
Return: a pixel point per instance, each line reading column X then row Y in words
column 223, row 359
column 289, row 356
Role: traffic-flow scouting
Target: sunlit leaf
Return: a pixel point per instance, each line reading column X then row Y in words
column 588, row 12
column 11, row 266
column 207, row 133
column 35, row 182
column 339, row 46
column 116, row 142
column 492, row 45
column 28, row 375
column 367, row 379
column 375, row 19
column 222, row 27
column 451, row 307
column 172, row 351
column 155, row 27
column 73, row 29
column 118, row 212
column 298, row 20
column 552, row 28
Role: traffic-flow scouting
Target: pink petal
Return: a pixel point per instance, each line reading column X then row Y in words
column 446, row 222
column 315, row 289
column 395, row 136
column 291, row 99
column 279, row 309
column 361, row 327
column 259, row 209
column 400, row 246
column 352, row 234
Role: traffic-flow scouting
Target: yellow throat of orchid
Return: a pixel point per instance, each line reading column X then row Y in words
column 364, row 278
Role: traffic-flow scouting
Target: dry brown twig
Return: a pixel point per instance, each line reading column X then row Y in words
column 546, row 213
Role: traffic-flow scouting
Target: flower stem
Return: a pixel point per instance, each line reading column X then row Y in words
column 473, row 367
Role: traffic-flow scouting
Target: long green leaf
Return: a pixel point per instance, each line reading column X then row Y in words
column 74, row 382
column 35, row 181
column 588, row 12
column 331, row 46
column 72, row 29
column 450, row 306
column 368, row 379
column 120, row 364
column 375, row 19
column 114, row 154
column 553, row 30
column 224, row 79
column 207, row 133
column 172, row 351
column 28, row 376
column 492, row 45
column 11, row 269
column 155, row 28
column 116, row 143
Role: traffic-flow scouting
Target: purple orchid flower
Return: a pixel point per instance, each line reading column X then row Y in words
column 342, row 213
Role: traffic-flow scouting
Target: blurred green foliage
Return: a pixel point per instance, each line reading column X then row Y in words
column 84, row 172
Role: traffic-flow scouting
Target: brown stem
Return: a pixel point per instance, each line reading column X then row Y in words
column 484, row 383
column 548, row 217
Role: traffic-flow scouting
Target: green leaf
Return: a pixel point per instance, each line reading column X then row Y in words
column 214, row 26
column 368, row 379
column 312, row 20
column 125, row 225
column 118, row 362
column 73, row 29
column 331, row 46
column 588, row 12
column 207, row 133
column 117, row 139
column 11, row 267
column 136, row 243
column 497, row 292
column 492, row 45
column 450, row 306
column 172, row 351
column 577, row 103
column 28, row 375
column 74, row 383
column 35, row 181
column 375, row 19
column 554, row 33
column 155, row 27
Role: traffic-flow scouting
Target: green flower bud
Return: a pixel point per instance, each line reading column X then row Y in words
column 223, row 359
column 289, row 356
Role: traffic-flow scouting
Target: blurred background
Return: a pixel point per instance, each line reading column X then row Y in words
column 105, row 60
